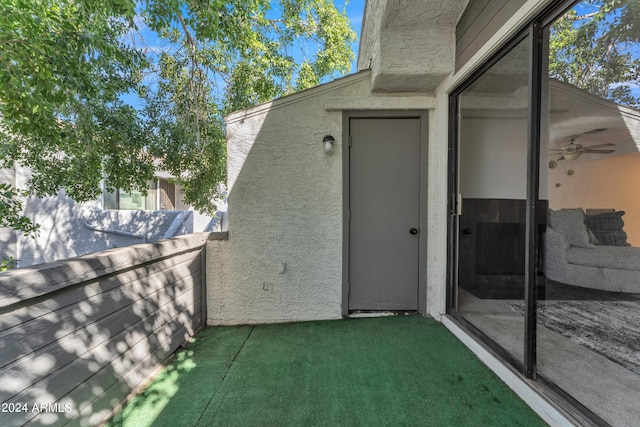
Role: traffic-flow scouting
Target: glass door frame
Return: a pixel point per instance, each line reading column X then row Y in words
column 535, row 211
column 535, row 216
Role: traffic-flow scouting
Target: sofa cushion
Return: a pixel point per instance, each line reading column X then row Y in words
column 607, row 227
column 570, row 222
column 614, row 257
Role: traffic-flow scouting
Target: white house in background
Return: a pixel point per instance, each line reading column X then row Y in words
column 69, row 229
column 163, row 195
column 421, row 184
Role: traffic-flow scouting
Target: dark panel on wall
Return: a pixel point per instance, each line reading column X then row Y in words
column 493, row 244
column 487, row 226
column 479, row 22
column 500, row 248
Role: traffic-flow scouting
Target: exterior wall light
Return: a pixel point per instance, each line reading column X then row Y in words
column 328, row 142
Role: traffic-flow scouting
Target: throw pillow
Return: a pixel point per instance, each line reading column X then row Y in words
column 608, row 228
column 570, row 222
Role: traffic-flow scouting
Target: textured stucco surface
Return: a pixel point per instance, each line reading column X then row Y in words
column 286, row 195
column 8, row 245
column 63, row 233
column 410, row 46
column 369, row 48
column 283, row 259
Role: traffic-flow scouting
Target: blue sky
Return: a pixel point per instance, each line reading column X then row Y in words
column 147, row 38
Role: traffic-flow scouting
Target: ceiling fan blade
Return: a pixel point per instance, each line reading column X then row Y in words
column 592, row 131
column 600, row 146
column 598, row 151
column 556, row 149
column 560, row 158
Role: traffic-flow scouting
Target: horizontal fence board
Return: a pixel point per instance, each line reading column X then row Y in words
column 23, row 284
column 97, row 335
column 101, row 408
column 78, row 294
column 121, row 358
column 25, row 338
column 91, row 339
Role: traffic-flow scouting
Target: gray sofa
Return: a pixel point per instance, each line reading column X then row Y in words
column 591, row 257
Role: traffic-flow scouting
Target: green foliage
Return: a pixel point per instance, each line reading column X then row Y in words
column 11, row 210
column 65, row 66
column 6, row 263
column 228, row 56
column 598, row 51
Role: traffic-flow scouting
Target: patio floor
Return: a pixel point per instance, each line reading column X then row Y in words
column 403, row 370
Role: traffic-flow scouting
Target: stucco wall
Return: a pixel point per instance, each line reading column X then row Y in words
column 409, row 46
column 7, row 234
column 283, row 260
column 369, row 48
column 64, row 232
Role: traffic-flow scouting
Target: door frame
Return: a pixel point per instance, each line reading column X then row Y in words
column 423, row 116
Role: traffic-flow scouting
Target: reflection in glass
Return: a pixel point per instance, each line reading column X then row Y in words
column 492, row 187
column 589, row 310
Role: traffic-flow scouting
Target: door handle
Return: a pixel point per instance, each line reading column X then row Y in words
column 413, row 230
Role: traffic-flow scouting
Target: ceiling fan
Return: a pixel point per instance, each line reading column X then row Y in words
column 572, row 151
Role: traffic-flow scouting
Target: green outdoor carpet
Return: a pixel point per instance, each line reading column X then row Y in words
column 404, row 370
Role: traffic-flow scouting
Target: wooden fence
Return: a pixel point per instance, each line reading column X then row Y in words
column 80, row 335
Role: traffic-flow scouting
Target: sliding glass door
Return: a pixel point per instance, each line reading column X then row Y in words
column 545, row 209
column 588, row 341
column 491, row 193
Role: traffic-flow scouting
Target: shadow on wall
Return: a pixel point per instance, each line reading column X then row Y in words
column 69, row 229
column 8, row 245
column 74, row 348
column 283, row 260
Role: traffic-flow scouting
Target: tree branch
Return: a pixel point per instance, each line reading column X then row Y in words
column 13, row 41
column 580, row 17
column 187, row 34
